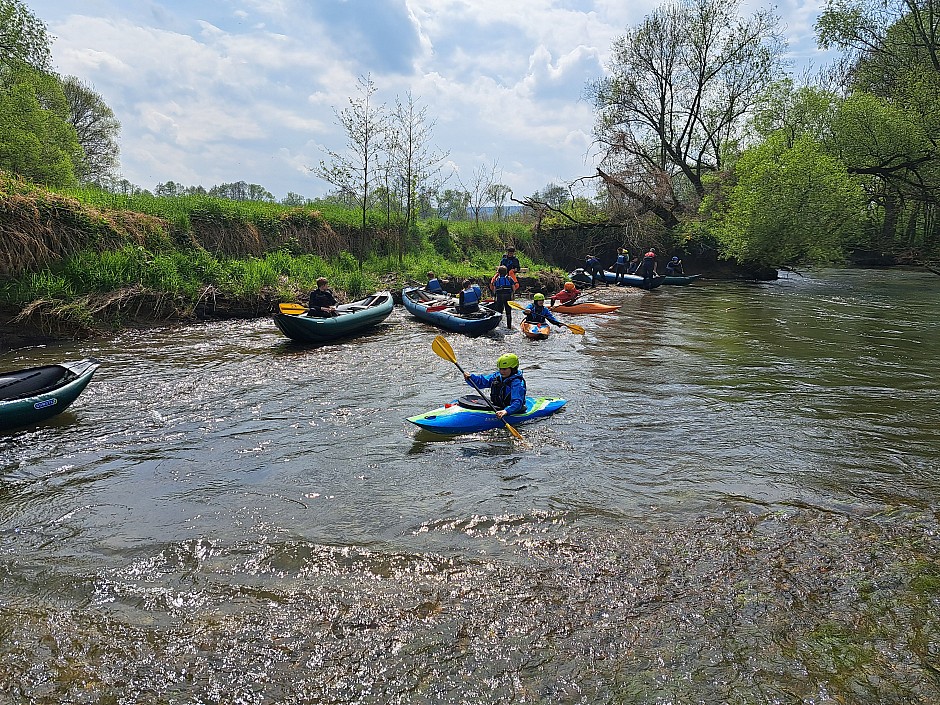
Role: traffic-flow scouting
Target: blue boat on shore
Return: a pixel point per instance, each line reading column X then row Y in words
column 583, row 278
column 440, row 311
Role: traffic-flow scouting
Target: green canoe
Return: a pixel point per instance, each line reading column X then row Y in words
column 39, row 393
column 352, row 318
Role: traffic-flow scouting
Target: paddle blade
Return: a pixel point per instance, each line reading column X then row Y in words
column 576, row 329
column 443, row 349
column 513, row 431
column 291, row 308
column 515, row 304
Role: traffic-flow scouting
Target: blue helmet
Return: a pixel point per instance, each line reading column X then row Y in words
column 675, row 259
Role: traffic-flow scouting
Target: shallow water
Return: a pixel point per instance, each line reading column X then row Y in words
column 738, row 505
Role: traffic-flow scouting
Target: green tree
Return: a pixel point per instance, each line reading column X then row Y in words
column 23, row 38
column 36, row 140
column 355, row 171
column 786, row 205
column 96, row 128
column 680, row 87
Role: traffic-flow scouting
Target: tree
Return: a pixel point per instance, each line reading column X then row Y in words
column 23, row 38
column 478, row 187
column 36, row 140
column 497, row 195
column 414, row 158
column 355, row 170
column 294, row 199
column 681, row 85
column 452, row 204
column 786, row 205
column 96, row 128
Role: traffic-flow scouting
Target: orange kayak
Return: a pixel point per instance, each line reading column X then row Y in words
column 584, row 307
column 536, row 331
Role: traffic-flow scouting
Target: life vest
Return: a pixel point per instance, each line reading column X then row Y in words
column 621, row 259
column 650, row 254
column 504, row 284
column 471, row 297
column 501, row 390
column 434, row 286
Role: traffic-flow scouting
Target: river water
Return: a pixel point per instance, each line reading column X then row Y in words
column 738, row 505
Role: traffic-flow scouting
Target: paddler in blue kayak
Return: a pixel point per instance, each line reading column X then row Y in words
column 507, row 387
column 536, row 312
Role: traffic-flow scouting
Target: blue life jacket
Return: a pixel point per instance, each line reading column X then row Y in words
column 434, row 286
column 504, row 285
column 621, row 259
column 469, row 300
column 534, row 315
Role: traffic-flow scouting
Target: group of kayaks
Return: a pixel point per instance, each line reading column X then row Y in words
column 33, row 395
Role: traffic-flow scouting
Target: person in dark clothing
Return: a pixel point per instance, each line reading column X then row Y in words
column 674, row 266
column 468, row 300
column 593, row 267
column 507, row 386
column 322, row 303
column 504, row 286
column 536, row 312
column 634, row 265
column 648, row 268
column 510, row 261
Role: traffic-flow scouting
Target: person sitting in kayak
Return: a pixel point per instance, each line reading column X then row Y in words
column 674, row 266
column 468, row 300
column 322, row 303
column 536, row 312
column 621, row 266
column 507, row 386
column 567, row 295
column 634, row 264
column 434, row 285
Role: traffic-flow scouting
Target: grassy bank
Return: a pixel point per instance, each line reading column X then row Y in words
column 88, row 259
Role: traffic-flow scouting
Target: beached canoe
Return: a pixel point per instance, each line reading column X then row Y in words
column 38, row 393
column 352, row 318
column 470, row 414
column 441, row 313
column 583, row 278
column 583, row 307
column 535, row 331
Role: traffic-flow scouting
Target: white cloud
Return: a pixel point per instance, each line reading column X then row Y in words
column 246, row 89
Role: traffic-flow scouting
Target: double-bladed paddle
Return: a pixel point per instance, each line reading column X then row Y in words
column 444, row 350
column 292, row 309
column 576, row 329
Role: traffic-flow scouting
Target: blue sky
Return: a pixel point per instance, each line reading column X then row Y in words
column 245, row 90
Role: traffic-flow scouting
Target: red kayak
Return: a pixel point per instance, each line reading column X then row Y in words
column 584, row 307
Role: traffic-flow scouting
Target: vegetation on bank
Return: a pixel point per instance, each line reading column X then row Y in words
column 86, row 258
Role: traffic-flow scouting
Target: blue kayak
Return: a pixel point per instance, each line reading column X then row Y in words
column 579, row 276
column 467, row 415
column 440, row 311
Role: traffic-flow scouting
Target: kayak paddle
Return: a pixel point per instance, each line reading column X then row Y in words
column 577, row 330
column 292, row 309
column 444, row 350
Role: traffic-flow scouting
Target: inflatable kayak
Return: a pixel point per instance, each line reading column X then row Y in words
column 536, row 331
column 471, row 414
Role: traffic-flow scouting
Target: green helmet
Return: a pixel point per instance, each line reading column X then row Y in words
column 539, row 297
column 508, row 361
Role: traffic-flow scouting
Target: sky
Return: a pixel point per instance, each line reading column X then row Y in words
column 220, row 91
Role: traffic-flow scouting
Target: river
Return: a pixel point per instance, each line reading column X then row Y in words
column 738, row 505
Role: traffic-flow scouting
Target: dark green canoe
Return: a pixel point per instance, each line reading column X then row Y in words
column 352, row 318
column 39, row 393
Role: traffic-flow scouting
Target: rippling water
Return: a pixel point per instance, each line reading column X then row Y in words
column 738, row 505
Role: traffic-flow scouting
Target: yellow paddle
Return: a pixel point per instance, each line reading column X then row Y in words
column 292, row 309
column 444, row 350
column 577, row 330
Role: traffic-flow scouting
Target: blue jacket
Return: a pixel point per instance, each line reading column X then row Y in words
column 539, row 316
column 508, row 393
column 434, row 286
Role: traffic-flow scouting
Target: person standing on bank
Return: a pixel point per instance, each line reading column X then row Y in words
column 649, row 268
column 621, row 265
column 593, row 265
column 322, row 303
column 504, row 288
column 507, row 386
column 510, row 261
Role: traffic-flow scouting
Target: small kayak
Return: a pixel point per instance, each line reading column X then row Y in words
column 535, row 331
column 470, row 414
column 583, row 307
